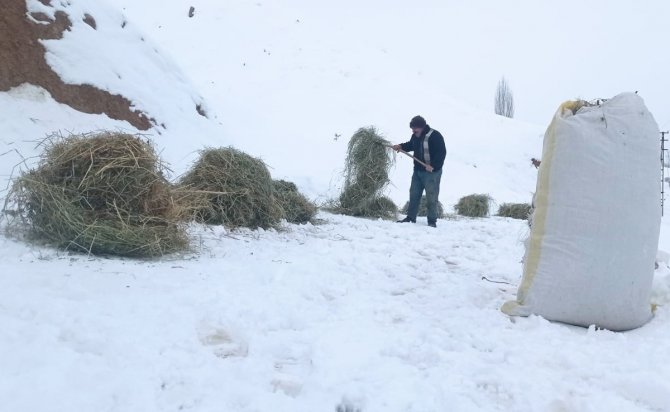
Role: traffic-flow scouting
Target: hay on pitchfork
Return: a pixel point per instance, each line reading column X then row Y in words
column 103, row 193
column 229, row 187
column 366, row 175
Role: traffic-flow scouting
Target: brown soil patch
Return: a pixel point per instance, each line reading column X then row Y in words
column 22, row 61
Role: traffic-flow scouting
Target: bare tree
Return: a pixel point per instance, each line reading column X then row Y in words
column 504, row 100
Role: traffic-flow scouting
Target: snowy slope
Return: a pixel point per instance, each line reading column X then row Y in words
column 286, row 79
column 371, row 314
column 548, row 53
column 291, row 92
column 114, row 57
column 287, row 76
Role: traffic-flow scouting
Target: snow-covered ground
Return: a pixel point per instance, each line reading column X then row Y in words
column 384, row 316
column 372, row 315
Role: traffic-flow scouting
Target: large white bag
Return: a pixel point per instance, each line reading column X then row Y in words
column 591, row 252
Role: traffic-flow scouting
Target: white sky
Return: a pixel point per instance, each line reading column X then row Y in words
column 553, row 51
column 548, row 51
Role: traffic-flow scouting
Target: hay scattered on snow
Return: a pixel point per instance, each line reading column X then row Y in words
column 98, row 193
column 514, row 210
column 296, row 207
column 366, row 175
column 475, row 205
column 423, row 208
column 229, row 187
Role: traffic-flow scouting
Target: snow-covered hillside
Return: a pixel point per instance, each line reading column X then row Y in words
column 291, row 92
column 358, row 314
column 294, row 86
column 115, row 57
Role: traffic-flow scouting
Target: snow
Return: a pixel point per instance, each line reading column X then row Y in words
column 385, row 316
column 29, row 114
column 301, row 320
column 368, row 314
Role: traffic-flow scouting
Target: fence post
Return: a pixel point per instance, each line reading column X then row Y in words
column 663, row 153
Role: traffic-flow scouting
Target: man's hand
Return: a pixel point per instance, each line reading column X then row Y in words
column 396, row 147
column 429, row 168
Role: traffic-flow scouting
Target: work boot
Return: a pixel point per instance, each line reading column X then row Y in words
column 432, row 224
column 407, row 219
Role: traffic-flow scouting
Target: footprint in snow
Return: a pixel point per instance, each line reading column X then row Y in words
column 222, row 343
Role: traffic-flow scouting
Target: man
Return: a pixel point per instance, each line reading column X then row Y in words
column 428, row 146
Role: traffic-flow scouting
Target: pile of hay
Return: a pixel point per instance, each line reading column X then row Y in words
column 423, row 208
column 228, row 187
column 514, row 210
column 102, row 194
column 366, row 175
column 296, row 207
column 475, row 205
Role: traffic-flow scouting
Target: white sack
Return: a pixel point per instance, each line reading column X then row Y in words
column 592, row 247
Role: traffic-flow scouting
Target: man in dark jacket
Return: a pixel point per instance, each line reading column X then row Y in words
column 428, row 146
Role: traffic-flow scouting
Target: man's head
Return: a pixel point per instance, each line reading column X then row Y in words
column 417, row 124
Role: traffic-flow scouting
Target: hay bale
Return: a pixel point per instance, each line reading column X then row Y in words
column 423, row 208
column 103, row 194
column 296, row 207
column 229, row 187
column 366, row 206
column 366, row 175
column 475, row 205
column 514, row 210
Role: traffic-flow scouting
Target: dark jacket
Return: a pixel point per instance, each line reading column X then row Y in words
column 436, row 149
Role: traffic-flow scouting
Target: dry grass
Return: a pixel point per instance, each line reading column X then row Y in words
column 575, row 105
column 297, row 208
column 475, row 205
column 102, row 193
column 514, row 210
column 366, row 175
column 228, row 187
column 423, row 208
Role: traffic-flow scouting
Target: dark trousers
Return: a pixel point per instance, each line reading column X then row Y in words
column 430, row 182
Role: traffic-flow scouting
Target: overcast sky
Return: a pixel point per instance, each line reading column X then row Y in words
column 548, row 51
column 553, row 51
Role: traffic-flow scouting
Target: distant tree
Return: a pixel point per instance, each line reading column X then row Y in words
column 504, row 100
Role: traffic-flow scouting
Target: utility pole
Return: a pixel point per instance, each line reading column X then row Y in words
column 663, row 155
